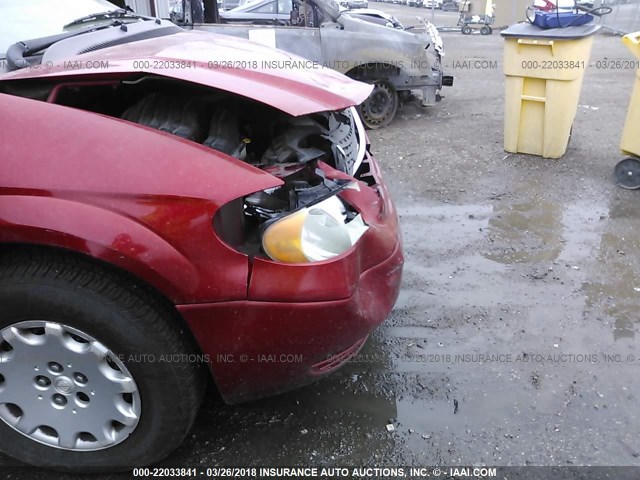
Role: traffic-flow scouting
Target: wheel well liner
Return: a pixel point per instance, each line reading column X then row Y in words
column 375, row 71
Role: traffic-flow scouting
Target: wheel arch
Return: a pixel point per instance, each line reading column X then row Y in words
column 101, row 234
column 372, row 71
column 52, row 263
column 17, row 248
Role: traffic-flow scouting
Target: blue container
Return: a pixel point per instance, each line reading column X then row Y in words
column 561, row 19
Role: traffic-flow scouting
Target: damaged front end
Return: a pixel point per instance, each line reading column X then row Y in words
column 323, row 246
column 261, row 181
column 286, row 123
column 316, row 157
column 304, row 219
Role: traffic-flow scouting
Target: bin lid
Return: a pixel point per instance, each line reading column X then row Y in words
column 527, row 30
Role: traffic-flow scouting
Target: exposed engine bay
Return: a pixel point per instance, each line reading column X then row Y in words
column 298, row 150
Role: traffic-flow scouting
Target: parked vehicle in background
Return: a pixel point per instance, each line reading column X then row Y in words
column 414, row 3
column 381, row 17
column 164, row 221
column 450, row 6
column 432, row 4
column 319, row 30
column 229, row 4
column 357, row 4
column 259, row 12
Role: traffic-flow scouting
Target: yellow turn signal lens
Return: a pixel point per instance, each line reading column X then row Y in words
column 282, row 241
column 313, row 234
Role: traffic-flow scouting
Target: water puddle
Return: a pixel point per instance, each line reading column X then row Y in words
column 581, row 258
column 613, row 292
column 525, row 233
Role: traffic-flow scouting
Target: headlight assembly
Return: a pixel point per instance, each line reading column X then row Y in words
column 312, row 234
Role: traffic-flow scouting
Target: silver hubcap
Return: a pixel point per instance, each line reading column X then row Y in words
column 63, row 388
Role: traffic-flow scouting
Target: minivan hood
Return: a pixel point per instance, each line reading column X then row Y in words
column 284, row 81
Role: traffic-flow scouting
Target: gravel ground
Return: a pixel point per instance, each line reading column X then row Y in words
column 513, row 341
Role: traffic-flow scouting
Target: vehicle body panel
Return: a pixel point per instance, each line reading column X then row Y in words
column 266, row 10
column 250, row 342
column 357, row 3
column 145, row 201
column 297, row 282
column 345, row 43
column 389, row 20
column 302, row 41
column 329, row 47
column 112, row 208
column 216, row 59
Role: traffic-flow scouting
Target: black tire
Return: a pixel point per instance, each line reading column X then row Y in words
column 486, row 30
column 466, row 30
column 380, row 108
column 129, row 319
column 627, row 173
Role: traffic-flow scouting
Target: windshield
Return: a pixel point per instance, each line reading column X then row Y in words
column 28, row 19
column 246, row 4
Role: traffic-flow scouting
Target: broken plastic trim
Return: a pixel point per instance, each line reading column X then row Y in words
column 334, row 187
column 362, row 139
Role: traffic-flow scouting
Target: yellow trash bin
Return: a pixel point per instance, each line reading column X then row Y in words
column 628, row 170
column 543, row 78
column 630, row 137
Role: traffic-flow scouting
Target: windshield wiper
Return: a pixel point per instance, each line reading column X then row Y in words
column 110, row 15
column 18, row 53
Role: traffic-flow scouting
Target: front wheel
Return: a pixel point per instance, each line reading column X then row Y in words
column 466, row 30
column 486, row 30
column 380, row 108
column 94, row 371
